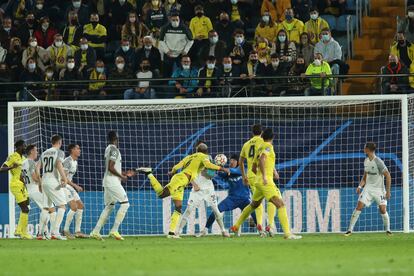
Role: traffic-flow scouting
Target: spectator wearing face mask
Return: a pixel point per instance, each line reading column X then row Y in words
column 72, row 32
column 145, row 88
column 391, row 84
column 253, row 69
column 225, row 28
column 150, row 52
column 96, row 35
column 276, row 86
column 285, row 49
column 134, row 31
column 305, row 48
column 263, row 50
column 50, row 88
column 406, row 24
column 208, row 88
column 267, row 28
column 29, row 75
column 230, row 78
column 403, row 49
column 215, row 47
column 176, row 40
column 38, row 53
column 241, row 49
column 97, row 89
column 58, row 53
column 7, row 32
column 292, row 26
column 319, row 67
column 302, row 8
column 200, row 26
column 82, row 10
column 187, row 86
column 45, row 33
column 297, row 84
column 128, row 53
column 39, row 10
column 26, row 30
column 14, row 58
column 85, row 57
column 72, row 90
column 331, row 50
column 315, row 25
column 120, row 72
column 172, row 6
column 276, row 8
column 155, row 18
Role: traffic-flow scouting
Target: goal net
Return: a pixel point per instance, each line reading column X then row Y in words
column 319, row 146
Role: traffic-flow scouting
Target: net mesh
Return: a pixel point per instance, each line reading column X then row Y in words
column 319, row 148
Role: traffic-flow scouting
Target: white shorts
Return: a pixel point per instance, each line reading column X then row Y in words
column 198, row 198
column 71, row 194
column 368, row 196
column 36, row 196
column 54, row 192
column 114, row 194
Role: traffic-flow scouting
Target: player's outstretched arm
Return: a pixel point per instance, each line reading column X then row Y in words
column 207, row 164
column 177, row 166
column 362, row 183
column 242, row 170
column 111, row 168
column 7, row 166
column 262, row 162
column 387, row 184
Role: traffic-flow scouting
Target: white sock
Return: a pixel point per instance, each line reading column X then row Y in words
column 354, row 219
column 184, row 218
column 120, row 215
column 44, row 217
column 78, row 220
column 52, row 219
column 103, row 217
column 58, row 221
column 69, row 218
column 386, row 221
column 219, row 217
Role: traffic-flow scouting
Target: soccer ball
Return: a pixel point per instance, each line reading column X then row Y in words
column 220, row 159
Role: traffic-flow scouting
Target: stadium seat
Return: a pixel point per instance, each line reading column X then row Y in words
column 331, row 20
column 341, row 23
column 351, row 5
column 342, row 40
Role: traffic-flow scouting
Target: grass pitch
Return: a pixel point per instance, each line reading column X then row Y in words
column 331, row 254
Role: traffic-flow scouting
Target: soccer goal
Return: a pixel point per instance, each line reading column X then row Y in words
column 319, row 146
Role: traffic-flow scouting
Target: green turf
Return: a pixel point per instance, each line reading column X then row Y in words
column 360, row 254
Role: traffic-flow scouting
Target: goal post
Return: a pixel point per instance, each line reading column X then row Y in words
column 319, row 148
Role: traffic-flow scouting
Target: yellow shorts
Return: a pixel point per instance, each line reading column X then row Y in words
column 252, row 182
column 266, row 191
column 176, row 186
column 18, row 189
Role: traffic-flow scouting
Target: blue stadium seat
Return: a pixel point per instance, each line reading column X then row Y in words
column 341, row 23
column 351, row 5
column 331, row 20
column 342, row 40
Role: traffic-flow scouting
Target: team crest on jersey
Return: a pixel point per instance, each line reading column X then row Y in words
column 267, row 149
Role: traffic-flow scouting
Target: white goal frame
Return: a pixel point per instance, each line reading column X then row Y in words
column 159, row 102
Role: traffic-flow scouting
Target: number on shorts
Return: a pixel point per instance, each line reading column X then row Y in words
column 48, row 161
column 251, row 151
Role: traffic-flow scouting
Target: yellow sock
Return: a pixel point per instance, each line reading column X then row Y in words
column 23, row 221
column 19, row 225
column 259, row 214
column 271, row 212
column 284, row 221
column 175, row 218
column 155, row 184
column 244, row 215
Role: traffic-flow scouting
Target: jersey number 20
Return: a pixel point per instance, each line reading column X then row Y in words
column 48, row 161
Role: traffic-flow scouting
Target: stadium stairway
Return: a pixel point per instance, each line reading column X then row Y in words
column 372, row 48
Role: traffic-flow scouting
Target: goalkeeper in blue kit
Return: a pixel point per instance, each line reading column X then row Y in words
column 238, row 194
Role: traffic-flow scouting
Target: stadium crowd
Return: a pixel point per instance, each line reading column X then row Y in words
column 217, row 46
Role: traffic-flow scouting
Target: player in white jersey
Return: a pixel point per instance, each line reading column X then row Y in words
column 372, row 184
column 113, row 190
column 53, row 181
column 32, row 179
column 70, row 164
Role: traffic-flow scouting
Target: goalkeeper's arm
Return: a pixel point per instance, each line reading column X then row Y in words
column 208, row 165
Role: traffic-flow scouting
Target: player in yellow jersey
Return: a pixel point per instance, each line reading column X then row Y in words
column 14, row 165
column 190, row 166
column 248, row 153
column 265, row 187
